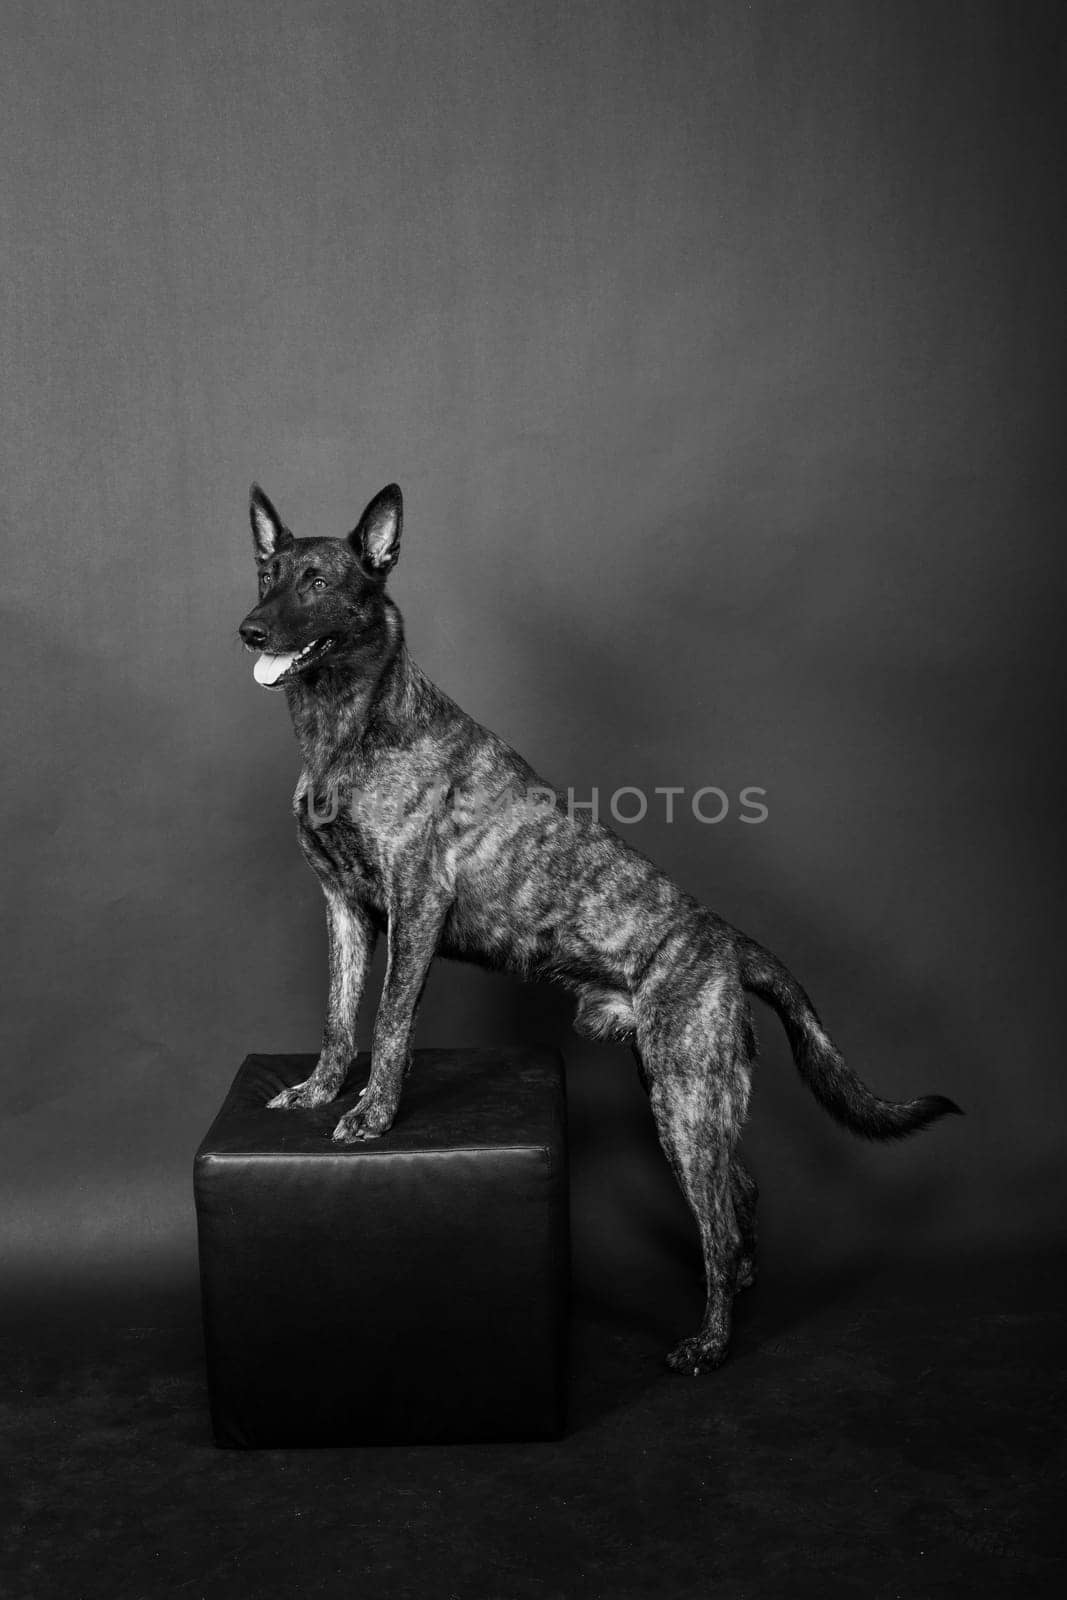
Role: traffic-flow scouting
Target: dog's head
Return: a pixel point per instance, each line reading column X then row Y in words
column 320, row 600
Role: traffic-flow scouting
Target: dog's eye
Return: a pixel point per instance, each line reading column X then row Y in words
column 319, row 583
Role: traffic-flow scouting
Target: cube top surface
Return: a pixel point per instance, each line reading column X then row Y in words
column 462, row 1099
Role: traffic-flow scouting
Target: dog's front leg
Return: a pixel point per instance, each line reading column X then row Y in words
column 413, row 936
column 351, row 944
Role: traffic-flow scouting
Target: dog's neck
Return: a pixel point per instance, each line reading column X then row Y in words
column 361, row 699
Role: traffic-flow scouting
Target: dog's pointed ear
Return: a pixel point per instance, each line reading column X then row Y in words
column 269, row 533
column 376, row 537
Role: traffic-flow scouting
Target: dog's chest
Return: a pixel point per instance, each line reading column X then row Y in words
column 360, row 829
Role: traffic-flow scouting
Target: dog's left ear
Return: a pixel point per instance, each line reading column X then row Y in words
column 269, row 533
column 376, row 538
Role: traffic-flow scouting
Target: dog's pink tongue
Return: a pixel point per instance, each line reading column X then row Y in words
column 268, row 669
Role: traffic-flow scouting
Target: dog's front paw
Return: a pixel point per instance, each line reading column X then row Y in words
column 696, row 1355
column 369, row 1118
column 304, row 1096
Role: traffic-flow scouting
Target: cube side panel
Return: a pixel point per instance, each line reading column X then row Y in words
column 354, row 1298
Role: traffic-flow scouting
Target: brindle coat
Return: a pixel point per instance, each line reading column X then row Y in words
column 428, row 857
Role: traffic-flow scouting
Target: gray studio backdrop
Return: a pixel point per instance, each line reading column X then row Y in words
column 718, row 350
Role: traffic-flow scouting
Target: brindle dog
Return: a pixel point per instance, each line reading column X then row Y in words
column 416, row 845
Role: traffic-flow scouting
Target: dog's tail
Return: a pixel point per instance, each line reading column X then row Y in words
column 833, row 1083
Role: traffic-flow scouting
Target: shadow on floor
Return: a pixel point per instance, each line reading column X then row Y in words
column 890, row 1431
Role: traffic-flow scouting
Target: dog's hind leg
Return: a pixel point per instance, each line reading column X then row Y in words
column 697, row 1065
column 642, row 1070
column 745, row 1195
column 699, row 1155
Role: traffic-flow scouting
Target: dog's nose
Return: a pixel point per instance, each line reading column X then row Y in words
column 253, row 633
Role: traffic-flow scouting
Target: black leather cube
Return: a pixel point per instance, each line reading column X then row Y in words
column 409, row 1289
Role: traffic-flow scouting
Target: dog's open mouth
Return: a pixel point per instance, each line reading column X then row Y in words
column 273, row 672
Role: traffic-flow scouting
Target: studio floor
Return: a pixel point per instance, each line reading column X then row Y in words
column 881, row 1430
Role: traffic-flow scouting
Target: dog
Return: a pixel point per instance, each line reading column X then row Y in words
column 416, row 845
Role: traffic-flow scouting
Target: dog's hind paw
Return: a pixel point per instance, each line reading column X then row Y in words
column 696, row 1355
column 746, row 1274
